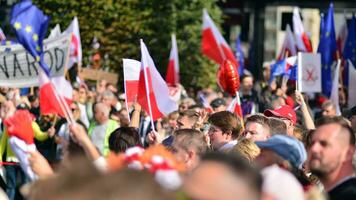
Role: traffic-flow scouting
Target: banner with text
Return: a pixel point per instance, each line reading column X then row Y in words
column 19, row 69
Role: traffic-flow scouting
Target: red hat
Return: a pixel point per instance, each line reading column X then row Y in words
column 282, row 112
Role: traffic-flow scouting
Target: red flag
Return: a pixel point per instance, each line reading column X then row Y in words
column 342, row 36
column 172, row 76
column 289, row 47
column 20, row 126
column 214, row 45
column 50, row 94
column 153, row 93
column 302, row 40
column 131, row 78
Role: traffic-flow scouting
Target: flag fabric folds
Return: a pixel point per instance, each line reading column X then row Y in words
column 328, row 50
column 2, row 35
column 349, row 52
column 342, row 35
column 352, row 85
column 30, row 25
column 289, row 47
column 131, row 78
column 172, row 76
column 55, row 32
column 301, row 38
column 240, row 56
column 153, row 90
column 235, row 107
column 214, row 45
column 76, row 45
column 335, row 89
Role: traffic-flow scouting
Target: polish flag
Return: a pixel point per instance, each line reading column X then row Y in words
column 342, row 36
column 131, row 77
column 235, row 106
column 213, row 44
column 302, row 40
column 153, row 92
column 55, row 32
column 76, row 46
column 172, row 76
column 289, row 47
column 352, row 85
column 52, row 94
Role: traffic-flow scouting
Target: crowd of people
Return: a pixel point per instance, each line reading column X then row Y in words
column 288, row 145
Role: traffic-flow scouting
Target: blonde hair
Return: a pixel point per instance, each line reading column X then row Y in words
column 247, row 148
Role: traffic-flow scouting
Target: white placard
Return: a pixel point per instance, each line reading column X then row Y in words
column 19, row 69
column 309, row 72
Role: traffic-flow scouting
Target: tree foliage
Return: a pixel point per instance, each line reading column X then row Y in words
column 120, row 24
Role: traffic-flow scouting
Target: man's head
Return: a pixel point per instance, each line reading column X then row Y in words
column 224, row 127
column 285, row 113
column 223, row 176
column 82, row 94
column 257, row 128
column 329, row 109
column 101, row 112
column 188, row 119
column 108, row 98
column 218, row 104
column 277, row 126
column 246, row 83
column 172, row 119
column 123, row 138
column 280, row 148
column 188, row 145
column 332, row 148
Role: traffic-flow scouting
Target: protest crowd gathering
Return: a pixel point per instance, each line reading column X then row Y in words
column 277, row 138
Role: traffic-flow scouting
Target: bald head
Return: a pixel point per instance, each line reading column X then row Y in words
column 101, row 112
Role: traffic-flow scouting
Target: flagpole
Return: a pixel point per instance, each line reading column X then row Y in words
column 147, row 90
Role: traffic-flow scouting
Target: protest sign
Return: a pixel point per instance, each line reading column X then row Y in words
column 309, row 72
column 19, row 69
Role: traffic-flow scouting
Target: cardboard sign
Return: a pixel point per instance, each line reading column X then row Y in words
column 94, row 74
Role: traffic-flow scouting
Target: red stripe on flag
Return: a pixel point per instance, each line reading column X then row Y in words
column 210, row 46
column 170, row 77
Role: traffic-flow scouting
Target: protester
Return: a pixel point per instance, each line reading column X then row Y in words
column 247, row 149
column 328, row 109
column 257, row 128
column 331, row 152
column 123, row 138
column 287, row 114
column 218, row 105
column 224, row 130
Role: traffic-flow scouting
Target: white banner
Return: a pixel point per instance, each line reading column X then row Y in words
column 19, row 69
column 309, row 72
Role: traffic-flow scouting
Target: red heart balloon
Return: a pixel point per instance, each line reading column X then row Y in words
column 228, row 77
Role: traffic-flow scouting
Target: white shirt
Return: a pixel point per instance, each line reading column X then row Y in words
column 228, row 145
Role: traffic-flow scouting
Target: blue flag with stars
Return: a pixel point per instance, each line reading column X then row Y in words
column 240, row 57
column 277, row 69
column 350, row 48
column 30, row 25
column 328, row 50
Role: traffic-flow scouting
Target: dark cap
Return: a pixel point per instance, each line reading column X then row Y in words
column 218, row 102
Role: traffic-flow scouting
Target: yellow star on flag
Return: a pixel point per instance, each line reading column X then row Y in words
column 28, row 29
column 38, row 48
column 17, row 25
column 327, row 34
column 35, row 37
column 38, row 58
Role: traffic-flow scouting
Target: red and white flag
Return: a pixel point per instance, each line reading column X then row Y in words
column 213, row 44
column 172, row 76
column 235, row 106
column 153, row 93
column 289, row 47
column 352, row 85
column 301, row 38
column 131, row 77
column 55, row 32
column 334, row 97
column 52, row 92
column 342, row 35
column 76, row 45
column 2, row 35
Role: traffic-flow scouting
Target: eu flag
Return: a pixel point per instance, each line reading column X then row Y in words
column 277, row 69
column 350, row 48
column 240, row 57
column 30, row 25
column 327, row 49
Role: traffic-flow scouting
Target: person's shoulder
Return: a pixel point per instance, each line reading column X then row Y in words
column 345, row 191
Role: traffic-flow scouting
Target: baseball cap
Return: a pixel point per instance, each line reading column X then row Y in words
column 284, row 111
column 217, row 102
column 287, row 147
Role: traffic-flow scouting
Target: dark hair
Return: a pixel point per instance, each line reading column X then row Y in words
column 277, row 126
column 258, row 118
column 344, row 123
column 227, row 121
column 239, row 166
column 123, row 138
